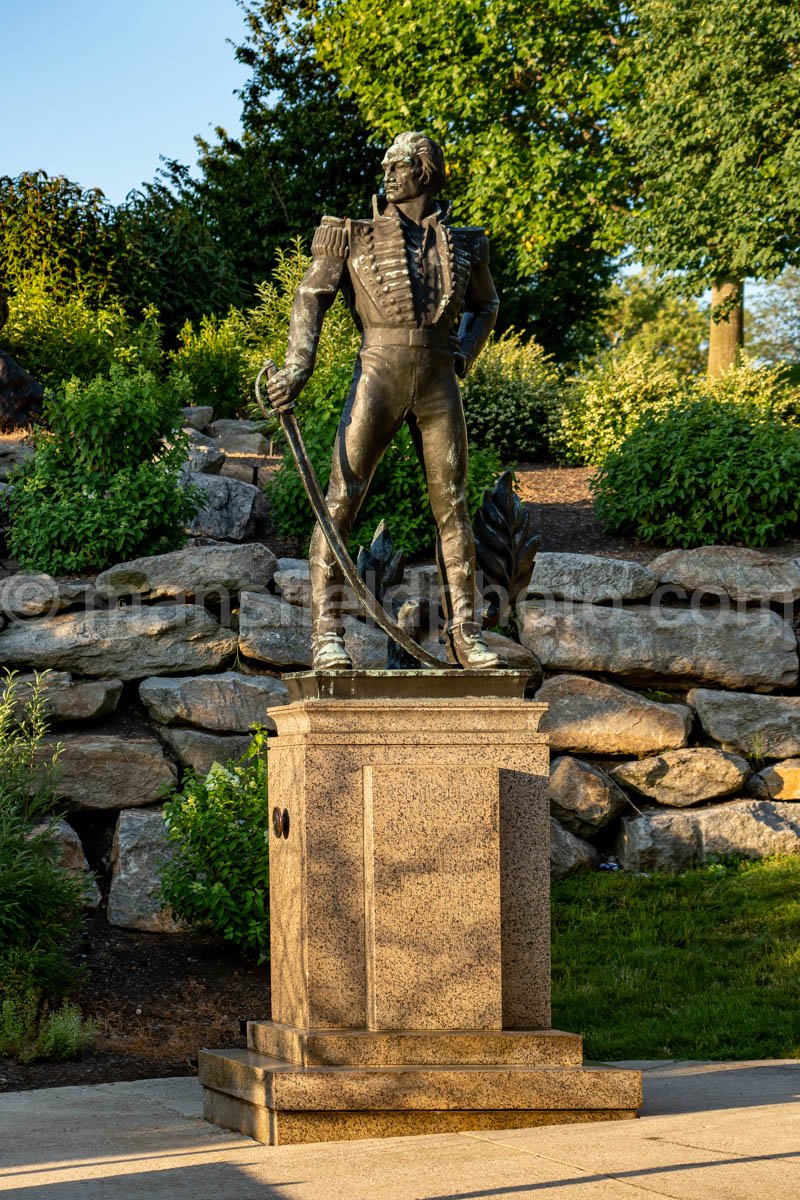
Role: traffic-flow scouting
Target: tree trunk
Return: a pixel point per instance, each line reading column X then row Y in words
column 726, row 337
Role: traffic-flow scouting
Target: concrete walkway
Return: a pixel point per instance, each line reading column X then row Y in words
column 710, row 1131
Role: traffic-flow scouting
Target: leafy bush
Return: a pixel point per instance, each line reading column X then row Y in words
column 30, row 1029
column 606, row 402
column 509, row 396
column 56, row 337
column 215, row 361
column 219, row 828
column 771, row 388
column 41, row 901
column 104, row 485
column 398, row 491
column 705, row 471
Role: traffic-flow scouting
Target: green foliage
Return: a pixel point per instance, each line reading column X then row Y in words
column 302, row 151
column 40, row 899
column 509, row 397
column 702, row 965
column 719, row 104
column 398, row 491
column 53, row 228
column 213, row 359
column 606, row 402
column 104, row 485
column 218, row 826
column 31, row 1030
column 56, row 337
column 772, row 389
column 643, row 316
column 529, row 109
column 705, row 471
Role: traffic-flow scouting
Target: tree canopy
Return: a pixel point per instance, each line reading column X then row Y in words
column 716, row 137
column 528, row 101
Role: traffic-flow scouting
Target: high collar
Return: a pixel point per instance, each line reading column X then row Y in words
column 382, row 208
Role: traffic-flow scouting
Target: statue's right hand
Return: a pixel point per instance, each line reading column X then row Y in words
column 283, row 388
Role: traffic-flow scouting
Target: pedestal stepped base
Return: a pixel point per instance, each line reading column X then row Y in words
column 409, row 900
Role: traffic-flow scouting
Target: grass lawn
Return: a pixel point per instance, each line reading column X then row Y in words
column 702, row 965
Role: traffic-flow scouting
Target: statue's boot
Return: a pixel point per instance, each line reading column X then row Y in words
column 468, row 648
column 330, row 654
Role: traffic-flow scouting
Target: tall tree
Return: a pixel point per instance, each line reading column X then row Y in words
column 527, row 98
column 717, row 139
column 303, row 150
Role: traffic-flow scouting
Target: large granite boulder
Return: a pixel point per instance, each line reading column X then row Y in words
column 582, row 797
column 586, row 577
column 71, row 855
column 641, row 644
column 197, row 749
column 568, row 853
column 20, row 395
column 198, row 416
column 105, row 771
column 205, row 454
column 127, row 643
column 779, row 781
column 680, row 778
column 232, row 510
column 743, row 575
column 139, row 853
column 221, row 569
column 227, row 427
column 25, row 594
column 762, row 726
column 679, row 839
column 277, row 633
column 587, row 716
column 68, row 699
column 231, row 702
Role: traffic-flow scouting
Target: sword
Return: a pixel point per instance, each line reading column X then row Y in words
column 319, row 505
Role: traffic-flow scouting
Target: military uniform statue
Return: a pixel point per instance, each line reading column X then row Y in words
column 423, row 298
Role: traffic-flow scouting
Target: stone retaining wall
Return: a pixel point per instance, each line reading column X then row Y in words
column 674, row 712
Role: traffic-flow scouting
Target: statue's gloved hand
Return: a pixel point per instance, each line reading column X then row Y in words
column 460, row 360
column 283, row 388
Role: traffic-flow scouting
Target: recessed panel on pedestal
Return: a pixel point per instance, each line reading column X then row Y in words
column 432, row 883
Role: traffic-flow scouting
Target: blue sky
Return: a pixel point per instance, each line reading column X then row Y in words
column 98, row 89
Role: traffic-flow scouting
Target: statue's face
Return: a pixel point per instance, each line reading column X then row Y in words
column 402, row 175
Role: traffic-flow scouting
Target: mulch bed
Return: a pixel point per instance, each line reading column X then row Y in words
column 155, row 999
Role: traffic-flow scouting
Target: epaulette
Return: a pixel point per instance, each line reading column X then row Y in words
column 330, row 239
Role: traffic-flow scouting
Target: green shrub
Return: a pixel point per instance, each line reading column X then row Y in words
column 509, row 396
column 214, row 359
column 705, row 471
column 398, row 491
column 30, row 1029
column 104, row 485
column 41, row 901
column 56, row 337
column 606, row 402
column 772, row 388
column 219, row 829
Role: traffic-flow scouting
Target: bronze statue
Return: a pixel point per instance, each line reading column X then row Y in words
column 422, row 295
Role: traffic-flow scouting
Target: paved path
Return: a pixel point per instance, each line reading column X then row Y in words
column 710, row 1131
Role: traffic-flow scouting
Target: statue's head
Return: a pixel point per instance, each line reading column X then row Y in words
column 413, row 165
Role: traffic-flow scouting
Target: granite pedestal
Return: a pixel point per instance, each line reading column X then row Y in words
column 410, row 931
